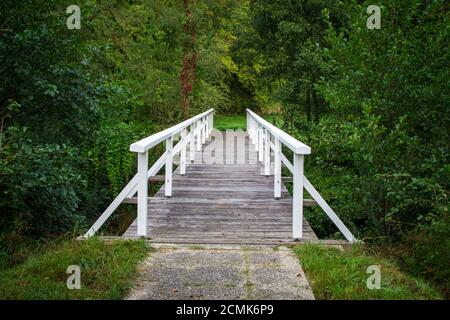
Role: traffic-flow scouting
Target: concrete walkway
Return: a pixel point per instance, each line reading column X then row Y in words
column 221, row 272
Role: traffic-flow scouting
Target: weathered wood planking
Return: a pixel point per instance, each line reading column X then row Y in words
column 228, row 202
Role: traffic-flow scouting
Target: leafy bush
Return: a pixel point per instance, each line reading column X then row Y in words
column 386, row 187
column 53, row 95
column 41, row 187
column 428, row 252
column 111, row 152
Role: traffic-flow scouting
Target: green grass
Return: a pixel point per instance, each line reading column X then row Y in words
column 336, row 274
column 223, row 122
column 234, row 122
column 107, row 271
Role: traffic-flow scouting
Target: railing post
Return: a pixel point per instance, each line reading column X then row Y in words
column 256, row 137
column 252, row 128
column 297, row 205
column 142, row 194
column 277, row 169
column 209, row 123
column 248, row 123
column 192, row 143
column 211, row 127
column 199, row 136
column 260, row 145
column 169, row 160
column 267, row 152
column 183, row 153
column 204, row 130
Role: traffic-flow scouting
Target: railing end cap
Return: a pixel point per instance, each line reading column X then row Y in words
column 135, row 147
column 303, row 150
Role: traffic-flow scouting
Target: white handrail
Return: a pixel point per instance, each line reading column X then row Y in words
column 261, row 133
column 289, row 141
column 151, row 141
column 200, row 127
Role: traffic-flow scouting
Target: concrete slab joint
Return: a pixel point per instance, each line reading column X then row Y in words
column 221, row 272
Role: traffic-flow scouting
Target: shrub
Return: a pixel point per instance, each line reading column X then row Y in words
column 429, row 255
column 41, row 187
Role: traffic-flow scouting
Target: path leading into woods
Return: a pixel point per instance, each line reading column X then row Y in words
column 228, row 202
column 213, row 272
column 229, row 211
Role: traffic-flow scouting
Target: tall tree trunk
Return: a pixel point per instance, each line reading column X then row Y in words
column 189, row 63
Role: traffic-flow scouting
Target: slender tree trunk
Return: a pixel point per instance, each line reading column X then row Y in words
column 189, row 63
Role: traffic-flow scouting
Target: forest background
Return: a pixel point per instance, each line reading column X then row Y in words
column 372, row 104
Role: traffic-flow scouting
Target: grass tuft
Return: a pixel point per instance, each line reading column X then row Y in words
column 336, row 274
column 107, row 271
column 235, row 122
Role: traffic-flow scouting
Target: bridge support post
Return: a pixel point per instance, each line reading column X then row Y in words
column 249, row 128
column 297, row 205
column 248, row 124
column 208, row 119
column 203, row 131
column 260, row 145
column 169, row 161
column 199, row 135
column 142, row 194
column 211, row 125
column 266, row 153
column 254, row 134
column 277, row 169
column 256, row 130
column 192, row 143
column 183, row 153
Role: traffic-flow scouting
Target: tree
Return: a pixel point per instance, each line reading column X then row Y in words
column 187, row 75
column 292, row 35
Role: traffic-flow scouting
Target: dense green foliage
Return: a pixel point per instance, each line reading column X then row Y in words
column 372, row 104
column 107, row 271
column 49, row 115
column 380, row 135
column 72, row 101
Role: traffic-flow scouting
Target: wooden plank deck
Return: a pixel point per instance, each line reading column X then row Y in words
column 227, row 203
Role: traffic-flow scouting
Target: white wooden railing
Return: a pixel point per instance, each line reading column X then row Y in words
column 267, row 138
column 193, row 131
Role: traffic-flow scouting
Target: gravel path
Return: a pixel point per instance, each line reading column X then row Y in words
column 221, row 272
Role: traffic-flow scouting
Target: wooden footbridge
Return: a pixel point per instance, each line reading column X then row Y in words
column 227, row 187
